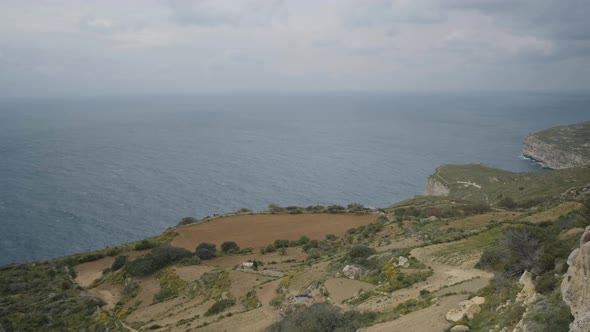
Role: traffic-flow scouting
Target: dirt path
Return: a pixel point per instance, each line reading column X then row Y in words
column 430, row 319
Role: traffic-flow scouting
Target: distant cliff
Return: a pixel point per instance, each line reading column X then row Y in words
column 560, row 147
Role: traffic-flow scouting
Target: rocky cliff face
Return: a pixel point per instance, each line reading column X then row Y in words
column 575, row 287
column 551, row 155
column 435, row 188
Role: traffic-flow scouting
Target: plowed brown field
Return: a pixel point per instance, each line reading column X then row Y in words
column 254, row 231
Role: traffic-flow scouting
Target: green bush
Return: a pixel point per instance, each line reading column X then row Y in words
column 281, row 244
column 360, row 251
column 119, row 262
column 274, row 208
column 146, row 244
column 546, row 283
column 336, row 209
column 322, row 317
column 230, row 247
column 550, row 314
column 187, row 221
column 155, row 260
column 206, row 250
column 220, row 306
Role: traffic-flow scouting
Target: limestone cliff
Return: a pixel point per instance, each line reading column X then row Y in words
column 560, row 147
column 435, row 187
column 575, row 287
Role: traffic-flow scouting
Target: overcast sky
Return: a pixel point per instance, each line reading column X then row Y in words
column 103, row 47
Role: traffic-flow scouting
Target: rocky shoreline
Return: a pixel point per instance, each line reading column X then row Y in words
column 559, row 147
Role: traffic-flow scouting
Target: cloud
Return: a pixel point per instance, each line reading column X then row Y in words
column 185, row 46
column 210, row 13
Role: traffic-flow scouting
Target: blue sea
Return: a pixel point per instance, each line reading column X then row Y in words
column 79, row 174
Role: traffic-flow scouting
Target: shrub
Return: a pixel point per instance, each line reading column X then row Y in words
column 281, row 244
column 206, row 250
column 274, row 208
column 229, row 246
column 146, row 244
column 119, row 262
column 360, row 251
column 187, row 221
column 220, row 306
column 155, row 260
column 322, row 317
column 270, row 248
column 546, row 283
column 336, row 209
column 507, row 203
column 331, row 237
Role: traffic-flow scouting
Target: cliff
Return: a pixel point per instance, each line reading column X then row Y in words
column 560, row 147
column 575, row 287
column 435, row 188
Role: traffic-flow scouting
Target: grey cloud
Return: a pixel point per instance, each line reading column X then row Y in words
column 216, row 13
column 392, row 12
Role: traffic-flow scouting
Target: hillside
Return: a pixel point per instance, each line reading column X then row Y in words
column 487, row 250
column 409, row 265
column 560, row 147
column 476, row 182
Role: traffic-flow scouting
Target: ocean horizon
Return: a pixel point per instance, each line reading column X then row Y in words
column 79, row 174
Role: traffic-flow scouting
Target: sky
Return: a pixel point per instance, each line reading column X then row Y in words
column 80, row 48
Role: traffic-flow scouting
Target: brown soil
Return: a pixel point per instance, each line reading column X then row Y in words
column 88, row 272
column 553, row 214
column 191, row 273
column 341, row 289
column 425, row 320
column 233, row 260
column 255, row 231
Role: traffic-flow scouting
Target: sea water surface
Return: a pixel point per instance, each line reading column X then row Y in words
column 78, row 174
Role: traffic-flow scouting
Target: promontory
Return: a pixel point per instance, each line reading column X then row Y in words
column 560, row 147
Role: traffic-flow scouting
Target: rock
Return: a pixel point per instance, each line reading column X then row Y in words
column 460, row 328
column 478, row 300
column 575, row 287
column 435, row 188
column 559, row 147
column 403, row 262
column 467, row 309
column 225, row 295
column 352, row 272
column 527, row 295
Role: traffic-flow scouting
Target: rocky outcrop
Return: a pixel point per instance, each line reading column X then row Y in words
column 575, row 287
column 527, row 294
column 560, row 147
column 467, row 309
column 435, row 188
column 352, row 272
column 403, row 262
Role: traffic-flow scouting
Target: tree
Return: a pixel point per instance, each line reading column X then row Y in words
column 229, row 247
column 206, row 250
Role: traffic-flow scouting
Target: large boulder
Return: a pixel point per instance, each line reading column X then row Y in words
column 466, row 309
column 460, row 328
column 575, row 287
column 352, row 272
column 527, row 294
column 403, row 262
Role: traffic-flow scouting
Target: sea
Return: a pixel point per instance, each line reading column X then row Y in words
column 85, row 173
